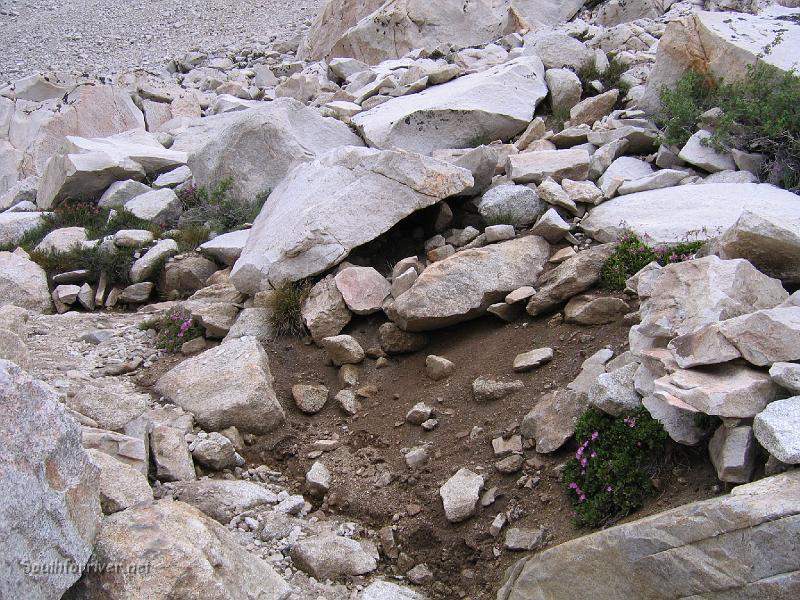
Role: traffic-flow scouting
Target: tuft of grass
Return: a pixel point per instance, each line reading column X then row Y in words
column 115, row 263
column 632, row 254
column 611, row 473
column 192, row 236
column 284, row 304
column 759, row 114
column 216, row 209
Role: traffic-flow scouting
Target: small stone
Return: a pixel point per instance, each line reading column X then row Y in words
column 396, row 341
column 420, row 575
column 438, row 367
column 498, row 523
column 504, row 447
column 318, row 480
column 346, row 399
column 216, row 452
column 489, row 390
column 310, row 398
column 194, row 346
column 460, row 495
column 510, row 464
column 417, row 457
column 499, row 233
column 343, row 349
column 419, row 413
column 518, row 539
column 532, row 359
column 430, row 424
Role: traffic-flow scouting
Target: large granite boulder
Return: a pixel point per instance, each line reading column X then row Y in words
column 674, row 214
column 23, row 283
column 227, row 386
column 258, row 146
column 377, row 30
column 723, row 46
column 463, row 286
column 14, row 226
column 742, row 545
column 84, row 168
column 325, row 208
column 177, row 552
column 491, row 105
column 50, row 511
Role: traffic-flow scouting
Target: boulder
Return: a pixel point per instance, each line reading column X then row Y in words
column 14, row 226
column 565, row 89
column 463, row 286
column 552, row 421
column 119, row 192
column 259, row 146
column 342, row 200
column 23, row 283
column 690, row 551
column 699, row 153
column 226, row 248
column 617, row 12
column 160, row 207
column 557, row 49
column 460, row 495
column 109, row 407
column 723, row 47
column 170, row 454
column 683, row 297
column 517, row 205
column 121, row 486
column 62, row 240
column 50, row 511
column 343, row 350
column 771, row 243
column 186, row 555
column 325, row 312
column 495, row 104
column 384, row 590
column 729, row 390
column 396, row 341
column 145, row 267
column 536, row 166
column 132, row 238
column 187, row 275
column 84, row 168
column 672, row 215
column 329, row 556
column 573, row 276
column 230, row 385
column 551, row 226
column 786, row 375
column 215, row 451
column 587, row 310
column 732, row 452
column 622, row 169
column 593, row 108
column 310, row 398
column 614, row 392
column 777, row 428
column 222, row 499
column 679, row 421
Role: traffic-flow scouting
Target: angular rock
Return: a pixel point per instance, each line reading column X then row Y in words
column 23, row 283
column 786, row 375
column 196, row 557
column 614, row 392
column 565, row 89
column 310, row 398
column 324, row 209
column 517, row 205
column 495, row 104
column 489, row 390
column 532, row 359
column 705, row 157
column 552, row 421
column 363, row 289
column 330, row 556
column 593, row 108
column 318, row 479
column 132, row 238
column 732, row 452
column 586, row 310
column 700, row 552
column 119, row 192
column 776, row 429
column 551, row 227
column 438, row 367
column 222, row 499
column 155, row 257
column 680, row 423
column 230, row 385
column 62, row 240
column 522, row 540
column 187, row 275
column 396, row 341
column 171, row 454
column 109, row 408
column 384, row 590
column 259, row 146
column 226, row 248
column 50, row 511
column 325, row 312
column 534, row 167
column 160, row 207
column 463, row 286
column 343, row 350
column 138, row 293
column 121, row 486
column 460, row 495
column 14, row 226
column 216, row 452
column 573, row 276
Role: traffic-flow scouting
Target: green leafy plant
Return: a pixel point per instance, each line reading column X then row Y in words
column 284, row 304
column 759, row 114
column 610, row 78
column 632, row 254
column 611, row 473
column 216, row 208
column 173, row 330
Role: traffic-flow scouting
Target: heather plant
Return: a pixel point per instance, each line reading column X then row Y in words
column 612, row 470
column 632, row 254
column 173, row 330
column 216, row 208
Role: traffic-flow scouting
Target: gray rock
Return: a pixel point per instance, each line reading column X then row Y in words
column 384, row 590
column 222, row 499
column 679, row 422
column 343, row 350
column 535, row 167
column 14, row 226
column 230, row 385
column 614, row 392
column 520, row 540
column 196, row 557
column 700, row 552
column 419, row 413
column 777, row 428
column 216, row 452
column 396, row 341
column 587, row 310
column 460, row 495
column 216, row 318
column 552, row 421
column 363, row 289
column 187, row 275
column 463, row 286
column 110, row 409
column 318, row 479
column 551, row 227
column 532, row 359
column 489, row 390
column 171, row 454
column 705, row 157
column 310, row 398
column 593, row 108
column 62, row 240
column 146, row 266
column 565, row 89
column 160, row 207
column 119, row 192
column 14, row 349
column 786, row 375
column 226, row 248
column 732, row 451
column 235, row 145
column 495, row 104
column 132, row 238
column 324, row 312
column 517, row 205
column 121, row 486
column 438, row 368
column 51, row 509
column 138, row 293
column 330, row 556
column 305, row 228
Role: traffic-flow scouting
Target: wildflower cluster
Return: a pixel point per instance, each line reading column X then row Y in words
column 174, row 330
column 633, row 254
column 610, row 474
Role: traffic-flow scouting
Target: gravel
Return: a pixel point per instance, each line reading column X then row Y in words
column 100, row 37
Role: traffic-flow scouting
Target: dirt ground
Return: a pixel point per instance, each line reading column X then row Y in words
column 371, row 482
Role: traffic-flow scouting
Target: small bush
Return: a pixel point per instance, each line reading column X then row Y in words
column 611, row 473
column 759, row 114
column 284, row 304
column 123, row 219
column 610, row 78
column 191, row 237
column 216, row 209
column 116, row 263
column 173, row 330
column 632, row 254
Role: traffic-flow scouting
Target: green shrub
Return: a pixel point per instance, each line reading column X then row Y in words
column 215, row 207
column 115, row 263
column 610, row 78
column 760, row 113
column 284, row 304
column 173, row 330
column 632, row 254
column 611, row 473
column 191, row 237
